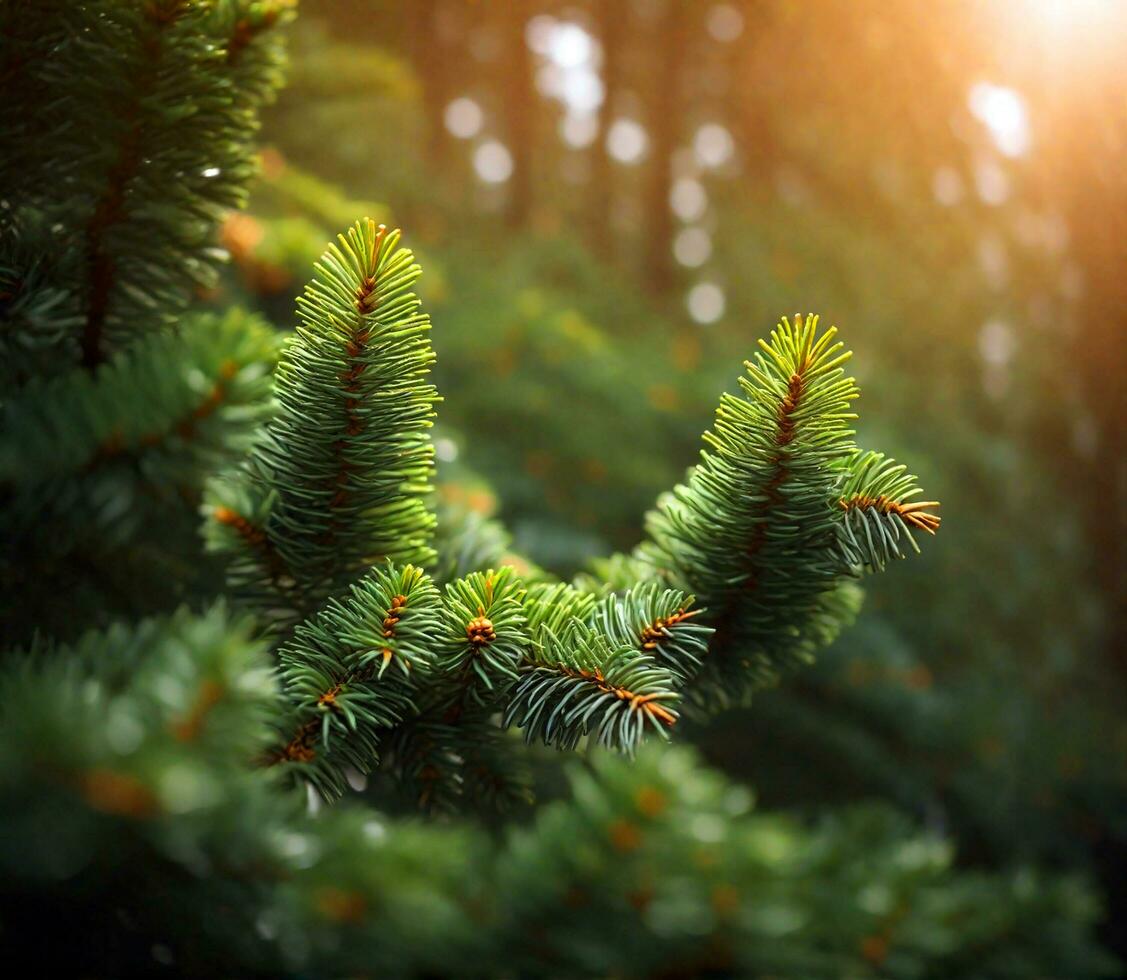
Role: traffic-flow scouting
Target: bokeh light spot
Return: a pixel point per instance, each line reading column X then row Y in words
column 579, row 131
column 724, row 22
column 947, row 186
column 493, row 162
column 996, row 342
column 705, row 302
column 1002, row 110
column 688, row 199
column 991, row 182
column 569, row 45
column 463, row 118
column 692, row 247
column 713, row 145
column 626, row 141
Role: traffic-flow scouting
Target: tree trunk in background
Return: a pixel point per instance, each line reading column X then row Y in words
column 518, row 97
column 1090, row 190
column 664, row 133
column 1100, row 353
column 430, row 60
column 611, row 26
column 749, row 95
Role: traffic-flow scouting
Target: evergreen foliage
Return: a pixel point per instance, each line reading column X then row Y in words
column 176, row 86
column 582, row 682
column 133, row 137
column 348, row 673
column 137, row 815
column 658, row 622
column 360, row 637
column 339, row 479
column 487, row 634
column 753, row 531
column 104, row 458
column 969, row 693
column 880, row 512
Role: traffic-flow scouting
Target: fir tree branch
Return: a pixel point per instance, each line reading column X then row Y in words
column 450, row 757
column 38, row 321
column 496, row 775
column 149, row 128
column 486, row 634
column 582, row 683
column 555, row 605
column 466, row 541
column 109, row 211
column 659, row 622
column 254, row 536
column 190, row 677
column 749, row 533
column 198, row 394
column 879, row 512
column 349, row 671
column 616, row 573
column 250, row 21
column 346, row 462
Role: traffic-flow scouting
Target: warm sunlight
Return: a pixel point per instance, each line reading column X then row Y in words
column 1075, row 15
column 1003, row 112
column 1064, row 37
column 442, row 536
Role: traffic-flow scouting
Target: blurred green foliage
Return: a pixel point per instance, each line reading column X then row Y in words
column 644, row 868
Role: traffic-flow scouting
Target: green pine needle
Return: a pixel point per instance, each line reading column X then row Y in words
column 659, row 622
column 880, row 512
column 350, row 673
column 486, row 633
column 581, row 683
column 345, row 466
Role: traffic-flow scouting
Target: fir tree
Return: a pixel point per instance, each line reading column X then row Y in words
column 155, row 760
column 134, row 136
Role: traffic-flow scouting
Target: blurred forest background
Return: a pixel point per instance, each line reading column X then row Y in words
column 612, row 200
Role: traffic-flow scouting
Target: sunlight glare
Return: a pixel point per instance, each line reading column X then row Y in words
column 1060, row 15
column 1002, row 110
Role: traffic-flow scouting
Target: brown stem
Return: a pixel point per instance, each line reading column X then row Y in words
column 300, row 747
column 644, row 702
column 916, row 513
column 366, row 299
column 653, row 633
column 784, row 435
column 257, row 538
column 186, row 427
column 110, row 211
